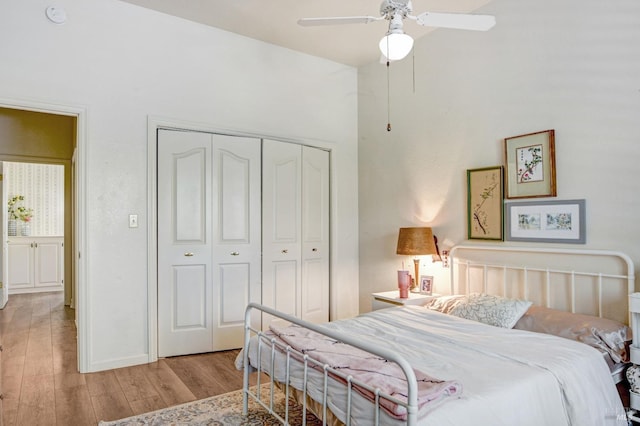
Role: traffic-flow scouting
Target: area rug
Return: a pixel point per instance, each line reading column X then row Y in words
column 220, row 410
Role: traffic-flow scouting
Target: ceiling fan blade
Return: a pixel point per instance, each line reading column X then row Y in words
column 310, row 22
column 461, row 21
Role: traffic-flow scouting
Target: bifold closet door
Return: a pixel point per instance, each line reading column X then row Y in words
column 295, row 239
column 314, row 302
column 208, row 239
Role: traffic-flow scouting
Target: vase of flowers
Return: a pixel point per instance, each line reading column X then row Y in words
column 25, row 230
column 18, row 212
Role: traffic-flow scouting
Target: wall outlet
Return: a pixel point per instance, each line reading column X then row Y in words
column 445, row 258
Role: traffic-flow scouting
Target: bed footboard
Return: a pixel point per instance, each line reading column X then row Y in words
column 284, row 373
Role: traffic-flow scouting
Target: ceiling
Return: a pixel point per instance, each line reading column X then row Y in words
column 275, row 22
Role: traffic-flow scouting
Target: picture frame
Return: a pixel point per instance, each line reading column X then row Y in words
column 554, row 221
column 485, row 219
column 426, row 284
column 530, row 165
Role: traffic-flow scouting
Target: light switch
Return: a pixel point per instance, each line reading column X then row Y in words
column 133, row 221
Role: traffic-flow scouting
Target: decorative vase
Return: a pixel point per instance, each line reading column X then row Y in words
column 633, row 376
column 25, row 231
column 12, row 228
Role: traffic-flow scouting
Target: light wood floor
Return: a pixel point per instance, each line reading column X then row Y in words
column 41, row 385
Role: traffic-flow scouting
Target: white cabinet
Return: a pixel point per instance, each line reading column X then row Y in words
column 35, row 264
column 633, row 372
column 295, row 230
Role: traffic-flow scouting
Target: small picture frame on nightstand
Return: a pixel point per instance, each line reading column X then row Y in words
column 426, row 284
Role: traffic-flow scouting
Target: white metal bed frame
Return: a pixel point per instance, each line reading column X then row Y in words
column 411, row 404
column 626, row 276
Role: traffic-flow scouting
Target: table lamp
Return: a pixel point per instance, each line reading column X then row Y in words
column 418, row 241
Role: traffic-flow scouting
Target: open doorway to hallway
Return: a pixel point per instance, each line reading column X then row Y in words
column 28, row 136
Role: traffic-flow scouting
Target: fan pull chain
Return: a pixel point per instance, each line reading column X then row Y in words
column 413, row 69
column 388, row 100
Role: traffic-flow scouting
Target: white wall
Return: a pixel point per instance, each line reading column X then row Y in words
column 572, row 66
column 123, row 64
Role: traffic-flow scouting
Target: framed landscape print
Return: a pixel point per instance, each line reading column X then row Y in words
column 484, row 203
column 547, row 221
column 530, row 165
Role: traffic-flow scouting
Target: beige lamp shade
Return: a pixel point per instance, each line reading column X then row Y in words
column 416, row 242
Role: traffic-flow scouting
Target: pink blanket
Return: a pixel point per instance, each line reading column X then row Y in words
column 376, row 372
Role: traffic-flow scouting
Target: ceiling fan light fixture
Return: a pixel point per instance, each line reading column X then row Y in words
column 395, row 46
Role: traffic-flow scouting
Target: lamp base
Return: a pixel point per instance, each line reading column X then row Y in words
column 414, row 280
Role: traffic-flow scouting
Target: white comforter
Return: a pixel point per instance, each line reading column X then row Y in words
column 509, row 377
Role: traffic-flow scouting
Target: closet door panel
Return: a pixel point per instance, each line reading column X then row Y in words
column 236, row 236
column 185, row 291
column 315, row 235
column 281, row 216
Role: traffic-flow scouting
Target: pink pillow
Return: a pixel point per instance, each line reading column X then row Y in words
column 603, row 334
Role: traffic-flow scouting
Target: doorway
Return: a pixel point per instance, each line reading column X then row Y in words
column 33, row 132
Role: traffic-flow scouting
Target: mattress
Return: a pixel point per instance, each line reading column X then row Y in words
column 508, row 376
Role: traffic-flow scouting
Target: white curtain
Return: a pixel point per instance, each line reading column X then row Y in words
column 42, row 186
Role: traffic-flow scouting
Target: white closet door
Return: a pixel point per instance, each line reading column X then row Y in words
column 315, row 235
column 295, row 237
column 184, row 243
column 236, row 236
column 281, row 239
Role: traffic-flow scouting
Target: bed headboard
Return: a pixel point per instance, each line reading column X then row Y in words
column 591, row 282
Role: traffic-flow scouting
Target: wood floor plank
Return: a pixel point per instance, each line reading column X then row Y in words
column 13, row 366
column 221, row 367
column 10, row 411
column 102, row 382
column 199, row 380
column 135, row 384
column 65, row 359
column 111, row 406
column 168, row 385
column 38, row 365
column 67, row 380
column 37, row 401
column 11, row 387
column 148, row 404
column 74, row 407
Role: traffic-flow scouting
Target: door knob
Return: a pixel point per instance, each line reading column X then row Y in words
column 285, row 251
column 188, row 254
column 314, row 249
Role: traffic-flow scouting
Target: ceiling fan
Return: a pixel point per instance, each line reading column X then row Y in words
column 395, row 45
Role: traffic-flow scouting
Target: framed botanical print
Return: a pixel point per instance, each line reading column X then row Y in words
column 484, row 203
column 530, row 165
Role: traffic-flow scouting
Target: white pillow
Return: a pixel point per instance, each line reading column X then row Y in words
column 493, row 310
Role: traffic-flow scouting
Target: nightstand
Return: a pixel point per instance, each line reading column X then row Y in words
column 633, row 372
column 387, row 299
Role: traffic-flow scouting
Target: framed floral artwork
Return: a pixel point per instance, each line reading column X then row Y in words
column 484, row 203
column 530, row 165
